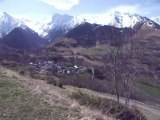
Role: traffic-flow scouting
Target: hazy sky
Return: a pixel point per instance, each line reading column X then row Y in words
column 37, row 9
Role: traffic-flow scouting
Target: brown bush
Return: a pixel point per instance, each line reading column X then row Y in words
column 56, row 82
column 21, row 72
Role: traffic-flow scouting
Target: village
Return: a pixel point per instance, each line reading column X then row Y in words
column 42, row 67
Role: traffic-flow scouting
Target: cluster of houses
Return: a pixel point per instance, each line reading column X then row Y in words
column 56, row 68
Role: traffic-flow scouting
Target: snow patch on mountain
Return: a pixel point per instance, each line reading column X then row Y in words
column 34, row 25
column 156, row 19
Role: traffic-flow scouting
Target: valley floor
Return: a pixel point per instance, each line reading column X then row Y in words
column 49, row 102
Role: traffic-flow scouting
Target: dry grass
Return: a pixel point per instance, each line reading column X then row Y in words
column 16, row 103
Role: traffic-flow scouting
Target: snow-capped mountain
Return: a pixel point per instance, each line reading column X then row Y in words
column 60, row 24
column 57, row 24
column 8, row 23
column 116, row 19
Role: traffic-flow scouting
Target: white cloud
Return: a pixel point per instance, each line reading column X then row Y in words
column 62, row 4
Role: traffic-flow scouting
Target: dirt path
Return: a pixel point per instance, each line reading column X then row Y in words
column 148, row 110
column 54, row 95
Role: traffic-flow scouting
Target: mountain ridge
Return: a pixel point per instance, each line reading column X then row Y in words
column 116, row 19
column 61, row 24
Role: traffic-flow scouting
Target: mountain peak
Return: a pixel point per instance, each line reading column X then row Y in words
column 115, row 13
column 61, row 15
column 58, row 18
column 8, row 23
column 4, row 15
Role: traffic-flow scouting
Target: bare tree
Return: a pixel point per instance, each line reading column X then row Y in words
column 121, row 63
column 127, row 71
column 116, row 45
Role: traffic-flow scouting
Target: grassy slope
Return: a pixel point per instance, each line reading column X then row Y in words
column 19, row 104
